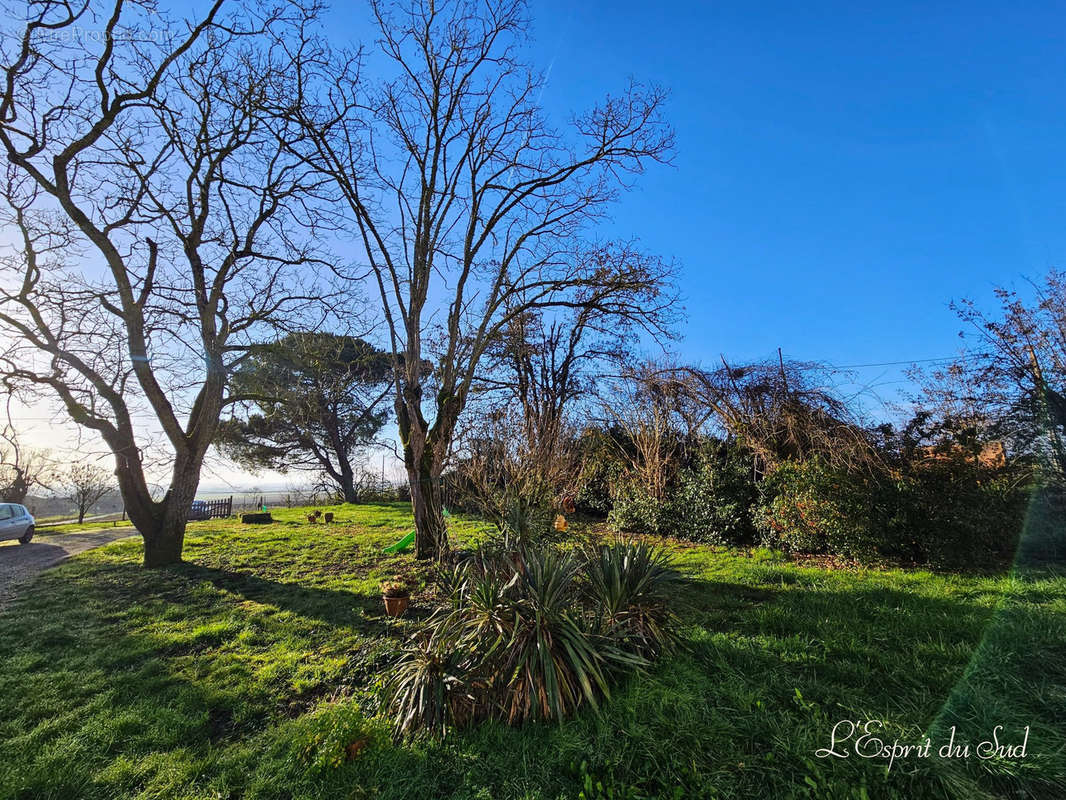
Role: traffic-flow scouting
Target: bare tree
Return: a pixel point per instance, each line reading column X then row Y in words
column 161, row 222
column 650, row 442
column 21, row 468
column 470, row 209
column 85, row 485
column 778, row 409
column 549, row 366
column 537, row 384
column 1010, row 383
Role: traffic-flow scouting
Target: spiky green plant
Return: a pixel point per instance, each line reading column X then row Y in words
column 432, row 688
column 632, row 588
column 547, row 663
column 518, row 643
column 453, row 580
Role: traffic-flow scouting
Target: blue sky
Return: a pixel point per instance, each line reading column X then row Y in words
column 843, row 171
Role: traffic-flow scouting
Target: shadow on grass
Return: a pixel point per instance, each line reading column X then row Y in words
column 115, row 680
column 356, row 611
column 336, row 607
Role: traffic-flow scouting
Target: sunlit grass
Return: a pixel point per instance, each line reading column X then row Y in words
column 81, row 527
column 251, row 671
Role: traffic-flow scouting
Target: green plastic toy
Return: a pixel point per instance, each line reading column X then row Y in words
column 401, row 545
column 407, row 540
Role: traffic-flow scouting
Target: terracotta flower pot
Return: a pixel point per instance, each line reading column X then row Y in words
column 395, row 606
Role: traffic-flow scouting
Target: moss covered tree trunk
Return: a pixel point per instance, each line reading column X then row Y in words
column 424, row 450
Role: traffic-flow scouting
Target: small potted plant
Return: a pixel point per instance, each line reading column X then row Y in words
column 395, row 594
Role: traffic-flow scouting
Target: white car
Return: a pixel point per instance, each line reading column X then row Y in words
column 15, row 523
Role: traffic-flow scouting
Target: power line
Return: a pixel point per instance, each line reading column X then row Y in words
column 943, row 360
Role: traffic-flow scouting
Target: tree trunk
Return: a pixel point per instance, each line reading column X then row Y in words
column 423, row 476
column 161, row 524
column 431, row 534
column 81, row 515
column 164, row 533
column 347, row 484
column 163, row 547
column 425, row 449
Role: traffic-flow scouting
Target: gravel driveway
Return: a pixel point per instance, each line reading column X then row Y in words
column 21, row 563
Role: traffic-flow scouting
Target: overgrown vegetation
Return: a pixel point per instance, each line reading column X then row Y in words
column 769, row 452
column 762, row 454
column 945, row 510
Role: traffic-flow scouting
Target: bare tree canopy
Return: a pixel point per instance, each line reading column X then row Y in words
column 779, row 409
column 85, row 485
column 471, row 209
column 643, row 413
column 517, row 455
column 549, row 365
column 22, row 468
column 1010, row 383
column 162, row 221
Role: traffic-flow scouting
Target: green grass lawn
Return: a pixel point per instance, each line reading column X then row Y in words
column 46, row 529
column 251, row 671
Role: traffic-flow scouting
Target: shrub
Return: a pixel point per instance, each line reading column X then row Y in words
column 516, row 647
column 630, row 587
column 532, row 636
column 710, row 499
column 522, row 511
column 634, row 510
column 601, row 469
column 595, row 496
column 810, row 507
column 947, row 512
column 953, row 513
column 715, row 497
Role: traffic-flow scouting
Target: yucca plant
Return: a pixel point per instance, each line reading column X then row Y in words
column 433, row 687
column 453, row 581
column 631, row 586
column 546, row 662
column 519, row 644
